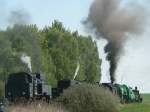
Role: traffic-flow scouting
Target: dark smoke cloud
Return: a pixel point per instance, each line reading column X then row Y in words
column 37, row 53
column 114, row 23
column 20, row 16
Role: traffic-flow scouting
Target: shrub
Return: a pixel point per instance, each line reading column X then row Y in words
column 89, row 98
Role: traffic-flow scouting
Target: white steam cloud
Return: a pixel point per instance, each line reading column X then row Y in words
column 27, row 60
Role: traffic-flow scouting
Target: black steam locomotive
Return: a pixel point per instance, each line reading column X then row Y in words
column 25, row 86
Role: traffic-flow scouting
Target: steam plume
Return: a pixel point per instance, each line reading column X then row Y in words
column 27, row 60
column 77, row 70
column 37, row 52
column 114, row 23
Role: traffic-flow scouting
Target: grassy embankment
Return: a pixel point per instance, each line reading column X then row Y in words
column 138, row 107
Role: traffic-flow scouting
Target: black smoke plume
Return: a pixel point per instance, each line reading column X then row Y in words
column 19, row 16
column 114, row 22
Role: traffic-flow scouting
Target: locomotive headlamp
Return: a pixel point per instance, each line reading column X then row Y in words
column 9, row 93
column 23, row 93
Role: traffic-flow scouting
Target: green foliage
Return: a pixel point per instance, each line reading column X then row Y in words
column 24, row 39
column 89, row 98
column 54, row 51
column 90, row 59
column 14, row 42
column 66, row 49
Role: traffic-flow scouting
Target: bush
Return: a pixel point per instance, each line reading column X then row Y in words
column 89, row 98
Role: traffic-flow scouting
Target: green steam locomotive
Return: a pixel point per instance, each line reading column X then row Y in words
column 124, row 92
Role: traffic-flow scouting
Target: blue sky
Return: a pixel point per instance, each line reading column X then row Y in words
column 133, row 69
column 43, row 12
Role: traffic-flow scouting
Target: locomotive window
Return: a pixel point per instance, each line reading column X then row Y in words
column 29, row 78
column 19, row 78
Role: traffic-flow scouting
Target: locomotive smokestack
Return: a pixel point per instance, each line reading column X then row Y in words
column 114, row 23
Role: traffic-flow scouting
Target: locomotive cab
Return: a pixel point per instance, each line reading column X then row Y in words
column 18, row 85
column 110, row 87
column 138, row 97
column 25, row 86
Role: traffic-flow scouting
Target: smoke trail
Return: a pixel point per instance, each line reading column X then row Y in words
column 37, row 54
column 20, row 16
column 27, row 60
column 114, row 23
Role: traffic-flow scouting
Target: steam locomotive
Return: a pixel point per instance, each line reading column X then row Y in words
column 125, row 93
column 25, row 86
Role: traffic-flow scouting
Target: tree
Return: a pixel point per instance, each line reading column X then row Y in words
column 54, row 51
column 66, row 49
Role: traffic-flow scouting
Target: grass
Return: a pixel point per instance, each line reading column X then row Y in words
column 138, row 107
column 36, row 107
column 133, row 107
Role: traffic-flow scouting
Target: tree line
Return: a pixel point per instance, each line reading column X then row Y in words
column 54, row 50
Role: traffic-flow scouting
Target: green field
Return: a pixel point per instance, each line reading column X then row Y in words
column 138, row 107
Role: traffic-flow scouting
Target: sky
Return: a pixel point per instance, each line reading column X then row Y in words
column 134, row 66
column 70, row 12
